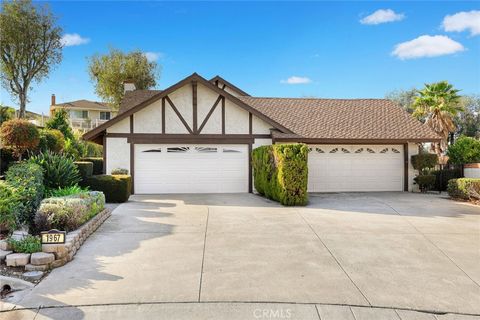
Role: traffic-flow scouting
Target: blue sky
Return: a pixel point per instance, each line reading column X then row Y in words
column 259, row 46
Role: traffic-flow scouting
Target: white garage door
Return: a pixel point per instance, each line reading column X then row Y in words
column 187, row 168
column 335, row 168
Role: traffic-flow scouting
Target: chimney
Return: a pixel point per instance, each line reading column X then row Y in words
column 53, row 100
column 128, row 85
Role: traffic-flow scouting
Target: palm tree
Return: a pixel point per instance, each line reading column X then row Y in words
column 437, row 104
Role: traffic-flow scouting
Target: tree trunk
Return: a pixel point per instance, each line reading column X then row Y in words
column 23, row 104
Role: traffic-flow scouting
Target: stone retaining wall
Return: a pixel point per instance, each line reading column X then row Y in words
column 54, row 255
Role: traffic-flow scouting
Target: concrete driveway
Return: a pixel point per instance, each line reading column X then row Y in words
column 392, row 250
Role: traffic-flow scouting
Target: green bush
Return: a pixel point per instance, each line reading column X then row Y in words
column 27, row 179
column 116, row 188
column 59, row 171
column 464, row 150
column 63, row 192
column 119, row 171
column 29, row 244
column 425, row 182
column 51, row 140
column 424, row 161
column 97, row 164
column 85, row 168
column 70, row 212
column 281, row 172
column 464, row 188
column 443, row 176
column 9, row 201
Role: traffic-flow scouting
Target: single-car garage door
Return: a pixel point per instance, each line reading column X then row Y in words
column 187, row 168
column 336, row 168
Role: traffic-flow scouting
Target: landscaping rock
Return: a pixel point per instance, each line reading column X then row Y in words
column 31, row 267
column 33, row 275
column 39, row 258
column 17, row 259
column 59, row 250
column 5, row 246
column 4, row 254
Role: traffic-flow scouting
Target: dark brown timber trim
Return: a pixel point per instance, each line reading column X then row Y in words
column 132, row 165
column 104, row 154
column 250, row 178
column 163, row 115
column 250, row 123
column 194, row 104
column 170, row 102
column 223, row 115
column 209, row 113
column 131, row 124
column 405, row 167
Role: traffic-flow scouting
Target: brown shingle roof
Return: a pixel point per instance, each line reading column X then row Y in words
column 371, row 119
column 84, row 104
column 133, row 98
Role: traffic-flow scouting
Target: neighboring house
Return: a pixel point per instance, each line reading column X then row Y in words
column 197, row 136
column 84, row 114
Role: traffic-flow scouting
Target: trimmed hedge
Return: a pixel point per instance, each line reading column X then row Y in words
column 445, row 175
column 85, row 168
column 281, row 172
column 97, row 164
column 464, row 188
column 116, row 188
column 70, row 212
column 27, row 179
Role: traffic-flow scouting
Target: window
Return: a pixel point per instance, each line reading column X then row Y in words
column 178, row 149
column 105, row 115
column 79, row 114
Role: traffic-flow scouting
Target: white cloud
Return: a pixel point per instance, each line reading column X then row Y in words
column 382, row 16
column 73, row 39
column 153, row 56
column 427, row 46
column 462, row 21
column 296, row 80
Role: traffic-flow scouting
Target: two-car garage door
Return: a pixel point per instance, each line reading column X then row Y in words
column 187, row 168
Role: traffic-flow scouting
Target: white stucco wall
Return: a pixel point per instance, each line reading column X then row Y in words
column 118, row 154
column 259, row 126
column 206, row 98
column 123, row 126
column 149, row 119
column 236, row 119
column 412, row 150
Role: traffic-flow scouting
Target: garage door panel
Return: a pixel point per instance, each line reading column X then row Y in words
column 191, row 168
column 344, row 168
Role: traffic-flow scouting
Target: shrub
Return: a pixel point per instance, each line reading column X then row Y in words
column 70, row 212
column 425, row 182
column 443, row 176
column 424, row 161
column 85, row 168
column 29, row 244
column 63, row 192
column 59, row 170
column 27, row 179
column 51, row 140
column 281, row 172
column 464, row 150
column 116, row 188
column 119, row 171
column 8, row 203
column 19, row 136
column 97, row 164
column 464, row 188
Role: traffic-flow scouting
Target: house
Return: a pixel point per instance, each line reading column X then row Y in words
column 197, row 135
column 84, row 114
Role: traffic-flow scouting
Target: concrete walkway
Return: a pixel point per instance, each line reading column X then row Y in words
column 209, row 254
